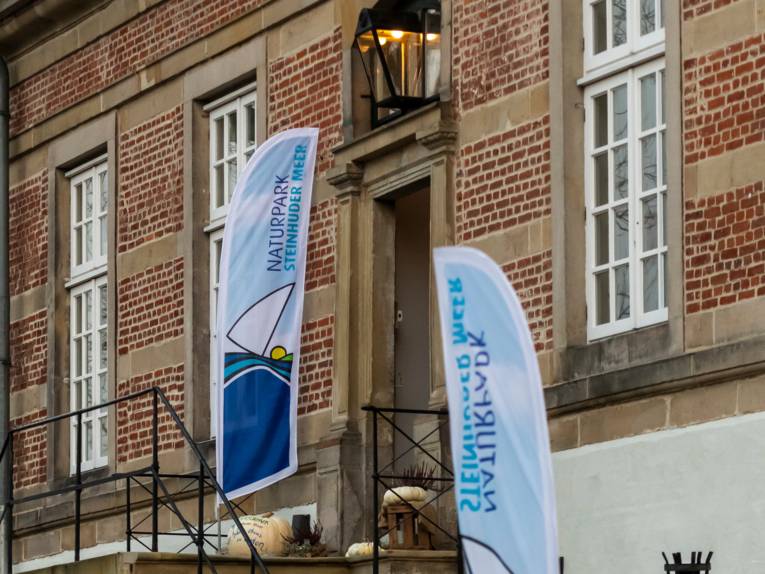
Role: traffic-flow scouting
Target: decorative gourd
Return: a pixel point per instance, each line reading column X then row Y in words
column 411, row 494
column 360, row 549
column 267, row 532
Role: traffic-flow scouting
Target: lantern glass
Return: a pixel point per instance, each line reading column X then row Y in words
column 432, row 32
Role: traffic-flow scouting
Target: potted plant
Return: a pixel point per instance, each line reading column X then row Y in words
column 305, row 542
column 412, row 487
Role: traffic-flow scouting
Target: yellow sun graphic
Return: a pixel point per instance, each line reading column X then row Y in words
column 278, row 353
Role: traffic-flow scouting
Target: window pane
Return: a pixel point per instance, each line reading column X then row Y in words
column 75, row 390
column 601, row 120
column 621, row 232
column 665, row 283
column 102, row 233
column 103, row 392
column 248, row 155
column 88, row 310
column 77, row 312
column 102, row 305
column 622, row 288
column 663, row 143
column 87, row 428
column 219, row 186
column 650, row 284
column 620, row 112
column 648, row 102
column 601, row 238
column 648, row 155
column 89, row 241
column 78, row 246
column 218, row 126
column 103, row 436
column 647, row 16
column 78, row 357
column 78, row 203
column 661, row 95
column 599, row 28
column 664, row 218
column 102, row 349
column 233, row 173
column 603, row 301
column 601, row 179
column 250, row 119
column 88, row 198
column 217, row 246
column 650, row 231
column 104, row 187
column 621, row 172
column 231, row 134
column 88, row 392
column 619, row 22
column 88, row 354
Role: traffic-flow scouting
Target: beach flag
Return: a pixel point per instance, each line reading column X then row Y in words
column 260, row 308
column 503, row 471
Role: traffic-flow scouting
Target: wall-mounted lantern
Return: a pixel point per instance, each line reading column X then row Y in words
column 401, row 54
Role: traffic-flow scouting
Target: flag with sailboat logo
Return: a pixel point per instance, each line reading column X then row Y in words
column 260, row 308
column 503, row 469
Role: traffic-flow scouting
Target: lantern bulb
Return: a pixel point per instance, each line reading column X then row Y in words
column 383, row 41
column 397, row 34
column 431, row 36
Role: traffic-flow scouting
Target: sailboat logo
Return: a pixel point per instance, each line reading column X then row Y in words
column 257, row 393
column 252, row 333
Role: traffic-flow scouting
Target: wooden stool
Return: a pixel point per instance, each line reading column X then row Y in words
column 407, row 530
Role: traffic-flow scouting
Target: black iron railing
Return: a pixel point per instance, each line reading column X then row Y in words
column 695, row 566
column 149, row 478
column 385, row 476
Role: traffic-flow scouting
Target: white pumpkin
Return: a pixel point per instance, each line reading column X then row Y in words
column 360, row 549
column 411, row 494
column 267, row 532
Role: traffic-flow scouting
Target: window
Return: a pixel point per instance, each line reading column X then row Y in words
column 232, row 142
column 618, row 29
column 88, row 311
column 233, row 139
column 625, row 167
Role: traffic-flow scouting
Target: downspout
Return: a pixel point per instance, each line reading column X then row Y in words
column 5, row 304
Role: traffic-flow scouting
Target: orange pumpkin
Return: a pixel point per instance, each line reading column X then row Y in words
column 267, row 532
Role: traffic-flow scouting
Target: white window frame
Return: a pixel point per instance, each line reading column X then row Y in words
column 222, row 160
column 88, row 279
column 629, row 52
column 238, row 101
column 638, row 318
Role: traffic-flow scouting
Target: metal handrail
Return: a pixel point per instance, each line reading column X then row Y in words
column 151, row 471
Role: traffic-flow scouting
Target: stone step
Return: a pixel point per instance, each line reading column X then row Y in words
column 395, row 562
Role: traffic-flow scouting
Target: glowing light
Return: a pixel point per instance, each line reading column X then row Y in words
column 397, row 34
column 430, row 37
column 383, row 41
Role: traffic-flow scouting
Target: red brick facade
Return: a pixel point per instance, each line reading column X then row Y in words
column 500, row 47
column 320, row 261
column 30, row 455
column 110, row 58
column 28, row 203
column 29, row 351
column 151, row 180
column 150, row 306
column 134, row 418
column 504, row 180
column 306, row 90
column 724, row 111
column 531, row 277
column 724, row 99
column 316, row 367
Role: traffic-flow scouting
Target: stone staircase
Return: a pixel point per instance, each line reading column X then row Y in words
column 392, row 562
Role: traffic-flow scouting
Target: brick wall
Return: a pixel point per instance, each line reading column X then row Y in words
column 725, row 248
column 28, row 204
column 150, row 306
column 504, row 180
column 531, row 277
column 305, row 89
column 724, row 99
column 316, row 344
column 320, row 259
column 724, row 111
column 500, row 47
column 29, row 351
column 127, row 49
column 134, row 418
column 30, row 457
column 151, row 180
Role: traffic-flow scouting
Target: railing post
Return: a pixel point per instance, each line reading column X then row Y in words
column 9, row 511
column 200, row 518
column 78, row 488
column 128, row 527
column 375, row 501
column 155, row 467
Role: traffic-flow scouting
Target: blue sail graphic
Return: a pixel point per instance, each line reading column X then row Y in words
column 256, row 394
